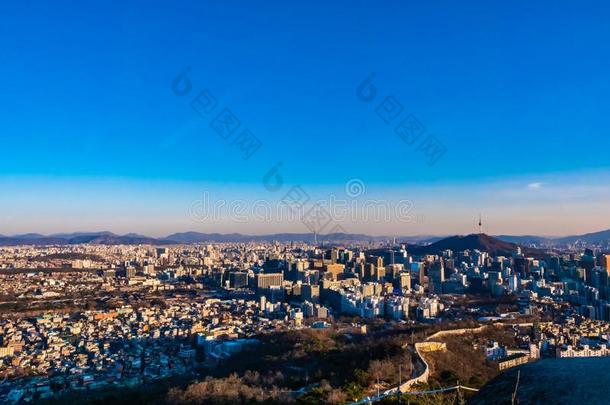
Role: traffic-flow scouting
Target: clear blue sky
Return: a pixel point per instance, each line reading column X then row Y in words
column 512, row 89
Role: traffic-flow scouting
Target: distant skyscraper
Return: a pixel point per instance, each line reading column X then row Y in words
column 404, row 280
column 436, row 276
column 130, row 272
column 334, row 269
column 264, row 281
column 421, row 273
column 334, row 255
column 238, row 279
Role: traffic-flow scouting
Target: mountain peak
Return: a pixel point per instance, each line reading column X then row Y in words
column 474, row 241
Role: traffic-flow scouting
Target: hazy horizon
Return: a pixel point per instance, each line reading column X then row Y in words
column 160, row 236
column 556, row 205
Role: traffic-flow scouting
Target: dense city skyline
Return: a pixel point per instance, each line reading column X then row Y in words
column 88, row 319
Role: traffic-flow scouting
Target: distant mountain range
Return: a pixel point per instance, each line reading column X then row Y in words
column 197, row 237
column 423, row 243
column 101, row 238
column 596, row 238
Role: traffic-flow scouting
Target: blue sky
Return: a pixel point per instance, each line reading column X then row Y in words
column 516, row 93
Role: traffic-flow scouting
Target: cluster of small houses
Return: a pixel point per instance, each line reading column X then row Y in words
column 122, row 347
column 569, row 339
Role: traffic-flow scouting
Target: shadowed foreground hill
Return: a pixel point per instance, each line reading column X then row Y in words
column 552, row 381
